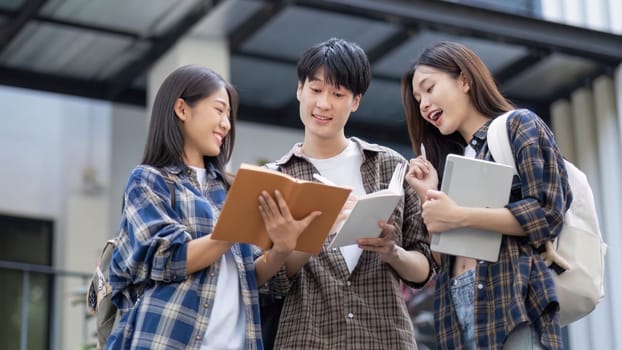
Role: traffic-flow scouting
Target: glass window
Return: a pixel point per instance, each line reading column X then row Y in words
column 29, row 241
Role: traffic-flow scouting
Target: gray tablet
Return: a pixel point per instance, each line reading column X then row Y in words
column 473, row 182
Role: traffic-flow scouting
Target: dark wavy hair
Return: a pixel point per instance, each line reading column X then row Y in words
column 454, row 59
column 345, row 65
column 165, row 139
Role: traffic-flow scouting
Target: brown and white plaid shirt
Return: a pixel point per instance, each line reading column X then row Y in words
column 326, row 307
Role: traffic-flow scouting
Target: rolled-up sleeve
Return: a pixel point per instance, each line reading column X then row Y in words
column 153, row 245
column 544, row 188
column 414, row 235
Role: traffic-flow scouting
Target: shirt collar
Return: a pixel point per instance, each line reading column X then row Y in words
column 178, row 169
column 479, row 137
column 296, row 150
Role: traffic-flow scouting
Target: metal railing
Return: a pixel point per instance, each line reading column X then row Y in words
column 27, row 270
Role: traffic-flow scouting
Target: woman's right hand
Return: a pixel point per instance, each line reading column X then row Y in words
column 421, row 176
column 282, row 228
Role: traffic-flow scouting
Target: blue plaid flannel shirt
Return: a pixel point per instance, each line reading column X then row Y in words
column 175, row 309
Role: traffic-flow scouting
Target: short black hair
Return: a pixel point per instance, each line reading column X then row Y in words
column 345, row 64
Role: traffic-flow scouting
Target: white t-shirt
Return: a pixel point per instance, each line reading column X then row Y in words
column 344, row 169
column 227, row 323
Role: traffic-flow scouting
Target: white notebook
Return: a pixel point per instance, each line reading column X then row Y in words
column 362, row 222
column 473, row 182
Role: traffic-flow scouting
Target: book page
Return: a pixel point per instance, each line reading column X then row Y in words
column 369, row 209
column 397, row 180
column 363, row 220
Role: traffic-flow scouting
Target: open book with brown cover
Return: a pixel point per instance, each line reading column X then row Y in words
column 240, row 220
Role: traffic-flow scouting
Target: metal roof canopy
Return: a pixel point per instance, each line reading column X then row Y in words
column 44, row 45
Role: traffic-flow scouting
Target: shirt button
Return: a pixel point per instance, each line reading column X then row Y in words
column 350, row 315
column 480, row 286
column 348, row 283
column 212, row 274
column 198, row 337
column 334, row 249
column 206, row 305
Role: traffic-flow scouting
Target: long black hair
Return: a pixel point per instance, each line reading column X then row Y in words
column 454, row 59
column 165, row 139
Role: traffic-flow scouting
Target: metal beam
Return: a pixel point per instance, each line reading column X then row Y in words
column 250, row 26
column 583, row 82
column 389, row 44
column 515, row 68
column 78, row 25
column 445, row 16
column 293, row 105
column 271, row 58
column 71, row 86
column 13, row 28
column 123, row 79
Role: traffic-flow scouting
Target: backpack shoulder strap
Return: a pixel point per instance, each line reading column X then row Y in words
column 499, row 141
column 98, row 286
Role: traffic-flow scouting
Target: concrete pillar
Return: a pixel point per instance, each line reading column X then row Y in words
column 618, row 96
column 553, row 10
column 596, row 16
column 610, row 165
column 600, row 158
column 586, row 147
column 614, row 10
column 574, row 12
column 613, row 284
column 563, row 128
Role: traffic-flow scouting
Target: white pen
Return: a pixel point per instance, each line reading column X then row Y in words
column 423, row 152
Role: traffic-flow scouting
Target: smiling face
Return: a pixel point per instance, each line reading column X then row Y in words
column 443, row 99
column 204, row 125
column 325, row 108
